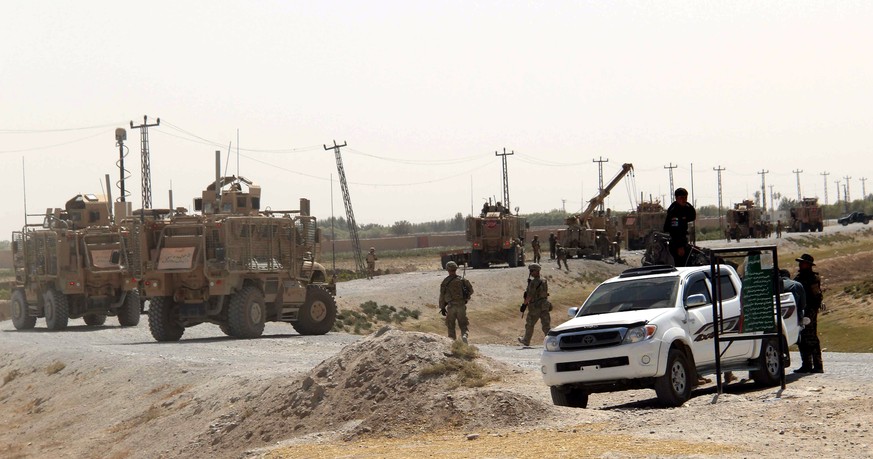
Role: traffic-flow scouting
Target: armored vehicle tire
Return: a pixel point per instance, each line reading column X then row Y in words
column 128, row 313
column 769, row 365
column 566, row 396
column 820, row 227
column 512, row 257
column 318, row 313
column 94, row 319
column 674, row 388
column 56, row 310
column 20, row 318
column 225, row 329
column 162, row 321
column 246, row 313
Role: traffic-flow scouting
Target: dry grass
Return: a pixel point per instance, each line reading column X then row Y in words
column 10, row 376
column 152, row 413
column 460, row 364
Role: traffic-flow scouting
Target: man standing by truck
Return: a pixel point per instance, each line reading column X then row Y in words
column 553, row 241
column 809, row 345
column 679, row 215
column 535, row 245
column 371, row 263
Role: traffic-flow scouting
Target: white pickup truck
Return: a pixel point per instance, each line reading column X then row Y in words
column 652, row 327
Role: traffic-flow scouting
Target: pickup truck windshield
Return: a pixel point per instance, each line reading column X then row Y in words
column 632, row 295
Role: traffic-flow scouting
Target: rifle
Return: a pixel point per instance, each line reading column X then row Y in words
column 464, row 289
column 524, row 295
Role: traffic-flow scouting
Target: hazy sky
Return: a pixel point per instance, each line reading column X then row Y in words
column 425, row 93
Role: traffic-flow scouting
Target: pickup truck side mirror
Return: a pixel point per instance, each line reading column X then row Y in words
column 698, row 299
column 572, row 311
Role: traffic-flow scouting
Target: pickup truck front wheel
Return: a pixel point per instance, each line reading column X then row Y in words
column 674, row 388
column 569, row 396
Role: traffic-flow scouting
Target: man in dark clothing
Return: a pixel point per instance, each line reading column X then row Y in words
column 552, row 241
column 679, row 214
column 809, row 345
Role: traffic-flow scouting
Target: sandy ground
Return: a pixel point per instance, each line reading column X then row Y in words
column 113, row 392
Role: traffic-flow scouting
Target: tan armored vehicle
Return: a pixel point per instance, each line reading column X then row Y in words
column 73, row 265
column 638, row 225
column 234, row 265
column 590, row 234
column 745, row 221
column 496, row 236
column 807, row 216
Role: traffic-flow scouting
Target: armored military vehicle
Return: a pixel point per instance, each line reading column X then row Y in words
column 73, row 265
column 745, row 221
column 639, row 224
column 591, row 233
column 496, row 236
column 234, row 265
column 807, row 216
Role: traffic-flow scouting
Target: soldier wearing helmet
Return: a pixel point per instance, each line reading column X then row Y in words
column 536, row 302
column 553, row 241
column 371, row 262
column 455, row 291
column 679, row 215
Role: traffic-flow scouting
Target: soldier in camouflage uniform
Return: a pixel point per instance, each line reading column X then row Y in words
column 371, row 262
column 809, row 345
column 455, row 291
column 561, row 253
column 536, row 302
column 535, row 245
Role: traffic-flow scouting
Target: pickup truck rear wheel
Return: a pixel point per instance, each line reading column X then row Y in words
column 568, row 396
column 769, row 365
column 674, row 388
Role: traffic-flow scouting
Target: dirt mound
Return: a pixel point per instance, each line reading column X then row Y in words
column 391, row 383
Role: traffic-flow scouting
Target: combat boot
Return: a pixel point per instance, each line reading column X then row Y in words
column 521, row 341
column 803, row 369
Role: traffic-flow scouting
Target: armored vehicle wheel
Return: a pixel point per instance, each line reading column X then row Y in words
column 56, row 310
column 95, row 319
column 20, row 318
column 128, row 313
column 820, row 227
column 674, row 387
column 565, row 396
column 511, row 257
column 246, row 313
column 225, row 329
column 162, row 321
column 318, row 313
column 769, row 365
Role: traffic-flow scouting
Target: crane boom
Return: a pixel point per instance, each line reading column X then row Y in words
column 601, row 196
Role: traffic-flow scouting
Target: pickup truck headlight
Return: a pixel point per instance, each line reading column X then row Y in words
column 552, row 344
column 642, row 333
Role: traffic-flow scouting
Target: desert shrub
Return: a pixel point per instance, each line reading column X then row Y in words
column 372, row 314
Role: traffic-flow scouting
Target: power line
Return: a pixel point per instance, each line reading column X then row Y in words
column 43, row 131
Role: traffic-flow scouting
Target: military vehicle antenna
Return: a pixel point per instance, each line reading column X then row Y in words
column 146, row 166
column 505, row 177
column 347, row 200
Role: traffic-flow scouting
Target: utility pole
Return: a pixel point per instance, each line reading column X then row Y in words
column 505, row 177
column 146, row 166
column 718, row 170
column 120, row 137
column 670, row 168
column 863, row 188
column 846, row 197
column 763, row 190
column 564, row 205
column 825, row 175
column 772, row 198
column 846, row 194
column 797, row 173
column 350, row 214
column 600, row 177
column 838, row 191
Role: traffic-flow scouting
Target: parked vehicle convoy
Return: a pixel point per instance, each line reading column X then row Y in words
column 854, row 217
column 652, row 327
column 638, row 225
column 746, row 221
column 73, row 265
column 233, row 265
